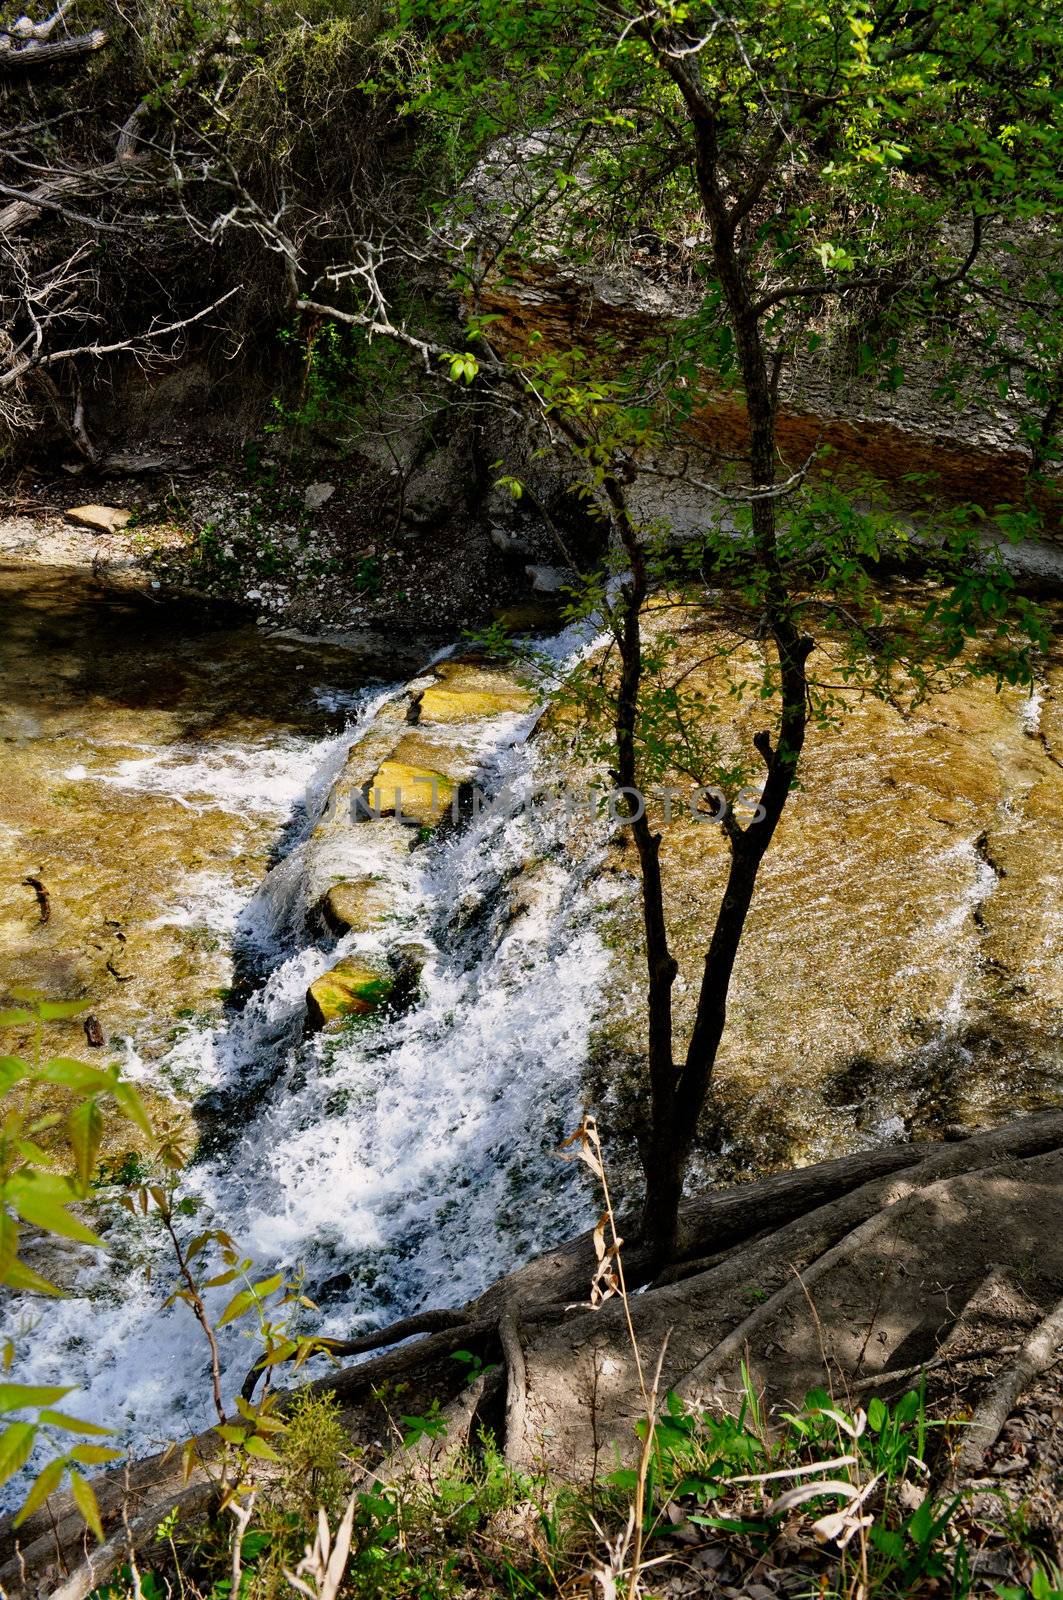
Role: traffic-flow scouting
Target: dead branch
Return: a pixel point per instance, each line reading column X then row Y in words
column 30, row 44
column 26, row 208
column 40, row 202
column 137, row 344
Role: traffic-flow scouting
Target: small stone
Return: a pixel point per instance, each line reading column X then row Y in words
column 105, row 519
column 315, row 495
column 334, row 1288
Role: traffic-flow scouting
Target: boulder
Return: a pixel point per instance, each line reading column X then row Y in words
column 550, row 580
column 423, row 797
column 315, row 495
column 353, row 906
column 105, row 519
column 350, row 989
column 464, row 691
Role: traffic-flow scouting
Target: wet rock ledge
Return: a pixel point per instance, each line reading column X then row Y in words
column 406, row 780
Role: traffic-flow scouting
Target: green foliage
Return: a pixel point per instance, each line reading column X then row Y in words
column 861, row 1477
column 419, row 1539
column 866, row 152
column 473, row 1364
column 315, row 1451
column 38, row 1185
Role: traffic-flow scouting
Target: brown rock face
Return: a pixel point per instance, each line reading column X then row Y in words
column 970, row 456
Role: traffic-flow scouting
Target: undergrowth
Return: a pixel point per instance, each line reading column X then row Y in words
column 816, row 1501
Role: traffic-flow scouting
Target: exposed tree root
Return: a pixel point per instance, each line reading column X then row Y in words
column 516, row 1385
column 394, row 1333
column 1035, row 1355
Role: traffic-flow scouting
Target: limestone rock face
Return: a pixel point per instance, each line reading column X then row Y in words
column 350, row 989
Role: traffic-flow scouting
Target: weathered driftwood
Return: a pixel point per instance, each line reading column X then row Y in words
column 59, row 194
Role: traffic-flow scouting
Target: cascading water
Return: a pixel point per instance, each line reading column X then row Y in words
column 401, row 1163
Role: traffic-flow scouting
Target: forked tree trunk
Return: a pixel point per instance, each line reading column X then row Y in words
column 678, row 1094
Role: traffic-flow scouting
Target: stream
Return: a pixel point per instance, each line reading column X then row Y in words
column 162, row 769
column 368, row 1157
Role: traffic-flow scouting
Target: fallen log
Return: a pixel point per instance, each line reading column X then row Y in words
column 16, row 57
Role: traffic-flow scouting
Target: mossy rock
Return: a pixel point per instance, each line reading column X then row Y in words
column 350, row 989
column 353, row 906
column 424, row 796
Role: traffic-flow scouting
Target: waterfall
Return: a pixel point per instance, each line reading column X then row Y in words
column 402, row 1163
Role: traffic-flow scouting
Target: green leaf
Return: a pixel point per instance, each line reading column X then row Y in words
column 222, row 1278
column 76, row 1075
column 59, row 1419
column 16, row 1442
column 268, row 1286
column 16, row 1396
column 59, row 1010
column 44, row 1212
column 85, row 1500
column 281, row 1352
column 237, row 1307
column 94, row 1455
column 84, row 1127
column 889, row 1541
column 19, row 1276
column 131, row 1105
column 231, row 1433
column 12, row 1070
column 730, row 1524
column 876, row 1415
column 15, row 1019
column 8, row 1244
column 258, row 1447
column 45, row 1483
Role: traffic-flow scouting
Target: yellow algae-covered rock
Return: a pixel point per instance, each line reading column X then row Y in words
column 350, row 989
column 420, row 795
column 465, row 691
column 355, row 905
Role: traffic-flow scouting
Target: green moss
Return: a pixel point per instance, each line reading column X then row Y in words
column 350, row 989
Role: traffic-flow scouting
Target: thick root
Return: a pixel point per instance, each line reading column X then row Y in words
column 1039, row 1351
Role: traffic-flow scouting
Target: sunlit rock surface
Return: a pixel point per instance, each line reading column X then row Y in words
column 901, row 969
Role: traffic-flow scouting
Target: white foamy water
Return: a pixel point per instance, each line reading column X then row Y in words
column 403, row 1163
column 267, row 780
